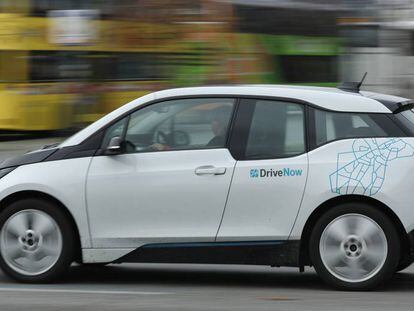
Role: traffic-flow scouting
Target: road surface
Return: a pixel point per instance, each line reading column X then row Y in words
column 199, row 287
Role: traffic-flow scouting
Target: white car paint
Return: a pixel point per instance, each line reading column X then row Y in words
column 64, row 180
column 122, row 202
column 264, row 208
column 394, row 191
column 157, row 197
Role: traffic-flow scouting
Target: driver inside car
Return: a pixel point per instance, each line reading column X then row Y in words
column 218, row 127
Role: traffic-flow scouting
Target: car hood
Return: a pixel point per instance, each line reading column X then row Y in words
column 28, row 158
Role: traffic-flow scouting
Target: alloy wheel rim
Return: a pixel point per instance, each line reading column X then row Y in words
column 30, row 242
column 353, row 248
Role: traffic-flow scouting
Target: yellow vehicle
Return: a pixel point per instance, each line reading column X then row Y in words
column 60, row 68
column 45, row 85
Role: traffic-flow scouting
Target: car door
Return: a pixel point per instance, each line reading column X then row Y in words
column 271, row 172
column 171, row 181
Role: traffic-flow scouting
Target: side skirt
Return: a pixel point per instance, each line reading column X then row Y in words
column 273, row 253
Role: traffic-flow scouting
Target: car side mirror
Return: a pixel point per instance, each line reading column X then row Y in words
column 114, row 146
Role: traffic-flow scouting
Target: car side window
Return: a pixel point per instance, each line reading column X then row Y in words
column 341, row 125
column 277, row 130
column 116, row 129
column 180, row 124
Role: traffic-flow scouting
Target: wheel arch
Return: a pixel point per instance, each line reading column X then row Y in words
column 325, row 206
column 14, row 197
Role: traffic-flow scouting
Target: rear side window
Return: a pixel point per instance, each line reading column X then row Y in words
column 276, row 131
column 406, row 118
column 332, row 126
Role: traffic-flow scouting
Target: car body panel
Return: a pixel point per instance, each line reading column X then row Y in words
column 264, row 199
column 380, row 168
column 63, row 180
column 156, row 197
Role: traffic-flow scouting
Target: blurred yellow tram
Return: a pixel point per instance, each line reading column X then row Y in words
column 66, row 63
column 61, row 67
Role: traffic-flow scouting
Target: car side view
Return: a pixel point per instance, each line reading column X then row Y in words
column 256, row 175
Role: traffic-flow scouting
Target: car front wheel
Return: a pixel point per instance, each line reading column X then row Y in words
column 36, row 241
column 354, row 246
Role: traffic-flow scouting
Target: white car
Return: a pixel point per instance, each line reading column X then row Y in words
column 255, row 175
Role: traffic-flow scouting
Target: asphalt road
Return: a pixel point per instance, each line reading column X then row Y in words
column 193, row 287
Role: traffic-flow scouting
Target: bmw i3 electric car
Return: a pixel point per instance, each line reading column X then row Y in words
column 255, row 175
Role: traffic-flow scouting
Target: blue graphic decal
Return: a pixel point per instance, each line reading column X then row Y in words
column 254, row 173
column 363, row 170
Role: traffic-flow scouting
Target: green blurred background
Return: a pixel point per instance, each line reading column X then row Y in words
column 65, row 63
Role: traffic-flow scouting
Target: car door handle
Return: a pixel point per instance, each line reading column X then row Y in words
column 210, row 170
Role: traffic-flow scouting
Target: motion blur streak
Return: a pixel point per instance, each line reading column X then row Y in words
column 64, row 64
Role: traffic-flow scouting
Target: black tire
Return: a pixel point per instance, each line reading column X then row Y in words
column 68, row 250
column 403, row 265
column 393, row 247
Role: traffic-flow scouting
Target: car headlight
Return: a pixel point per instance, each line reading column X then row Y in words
column 5, row 171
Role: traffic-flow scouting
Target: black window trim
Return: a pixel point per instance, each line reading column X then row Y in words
column 101, row 150
column 404, row 123
column 214, row 95
column 312, row 128
column 309, row 120
column 240, row 131
column 238, row 148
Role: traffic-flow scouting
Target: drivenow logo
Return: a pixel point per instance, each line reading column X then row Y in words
column 285, row 172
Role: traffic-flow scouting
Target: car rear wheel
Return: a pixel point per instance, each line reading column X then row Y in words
column 36, row 241
column 354, row 246
column 404, row 265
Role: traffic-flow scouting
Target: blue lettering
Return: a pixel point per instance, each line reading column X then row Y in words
column 275, row 173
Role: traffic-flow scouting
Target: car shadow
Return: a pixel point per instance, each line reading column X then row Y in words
column 193, row 275
column 207, row 275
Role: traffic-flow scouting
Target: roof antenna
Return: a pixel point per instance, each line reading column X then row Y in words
column 352, row 86
column 362, row 80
